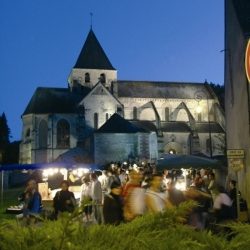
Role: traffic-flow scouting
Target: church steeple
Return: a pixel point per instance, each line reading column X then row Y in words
column 92, row 65
column 92, row 55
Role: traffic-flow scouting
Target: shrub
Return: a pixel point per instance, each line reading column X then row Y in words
column 159, row 231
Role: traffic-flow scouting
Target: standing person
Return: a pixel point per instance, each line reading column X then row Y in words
column 198, row 181
column 175, row 196
column 96, row 194
column 233, row 196
column 133, row 196
column 104, row 180
column 64, row 200
column 222, row 205
column 85, row 198
column 112, row 205
column 212, row 187
column 166, row 179
column 156, row 201
column 32, row 202
column 123, row 177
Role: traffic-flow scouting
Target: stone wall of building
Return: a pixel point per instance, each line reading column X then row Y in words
column 236, row 96
column 78, row 75
column 30, row 150
column 118, row 147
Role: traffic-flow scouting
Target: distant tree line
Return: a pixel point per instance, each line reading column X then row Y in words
column 9, row 151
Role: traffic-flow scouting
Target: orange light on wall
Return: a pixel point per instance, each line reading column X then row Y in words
column 247, row 60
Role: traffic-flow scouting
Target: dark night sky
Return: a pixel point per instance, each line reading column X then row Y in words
column 163, row 40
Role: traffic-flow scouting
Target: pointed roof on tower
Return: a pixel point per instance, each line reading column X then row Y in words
column 92, row 55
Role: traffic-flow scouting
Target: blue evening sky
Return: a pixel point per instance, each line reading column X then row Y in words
column 161, row 40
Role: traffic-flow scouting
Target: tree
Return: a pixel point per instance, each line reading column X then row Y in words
column 12, row 153
column 4, row 136
column 219, row 90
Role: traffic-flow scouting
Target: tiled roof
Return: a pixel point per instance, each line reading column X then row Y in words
column 146, row 125
column 54, row 100
column 152, row 89
column 92, row 55
column 204, row 127
column 181, row 127
column 117, row 124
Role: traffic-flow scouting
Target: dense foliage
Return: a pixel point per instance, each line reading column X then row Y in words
column 9, row 151
column 219, row 90
column 4, row 136
column 161, row 231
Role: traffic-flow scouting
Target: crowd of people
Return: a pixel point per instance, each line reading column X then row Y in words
column 121, row 194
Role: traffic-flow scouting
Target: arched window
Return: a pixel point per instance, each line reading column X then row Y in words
column 43, row 134
column 134, row 113
column 102, row 78
column 209, row 146
column 182, row 115
column 199, row 117
column 63, row 134
column 95, row 120
column 27, row 134
column 87, row 77
column 166, row 114
column 147, row 114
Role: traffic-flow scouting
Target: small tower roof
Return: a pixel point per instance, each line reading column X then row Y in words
column 92, row 55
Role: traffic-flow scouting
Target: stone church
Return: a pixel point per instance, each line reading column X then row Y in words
column 117, row 120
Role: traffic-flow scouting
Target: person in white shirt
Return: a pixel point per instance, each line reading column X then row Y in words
column 96, row 195
column 85, row 198
column 104, row 181
column 222, row 205
column 123, row 177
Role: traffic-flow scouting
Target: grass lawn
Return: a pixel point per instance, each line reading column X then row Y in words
column 9, row 199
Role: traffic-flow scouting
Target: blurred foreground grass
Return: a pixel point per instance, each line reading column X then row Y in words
column 10, row 198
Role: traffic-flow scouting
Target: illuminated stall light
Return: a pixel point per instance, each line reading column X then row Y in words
column 45, row 173
column 62, row 170
column 135, row 167
column 184, row 172
column 50, row 171
column 181, row 186
column 55, row 170
column 85, row 170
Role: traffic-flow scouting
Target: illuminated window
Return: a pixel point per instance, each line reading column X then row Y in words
column 172, row 151
column 63, row 134
column 43, row 134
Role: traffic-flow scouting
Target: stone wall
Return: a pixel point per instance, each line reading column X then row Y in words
column 236, row 96
column 119, row 147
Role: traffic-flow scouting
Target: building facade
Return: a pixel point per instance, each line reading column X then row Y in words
column 145, row 118
column 237, row 34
